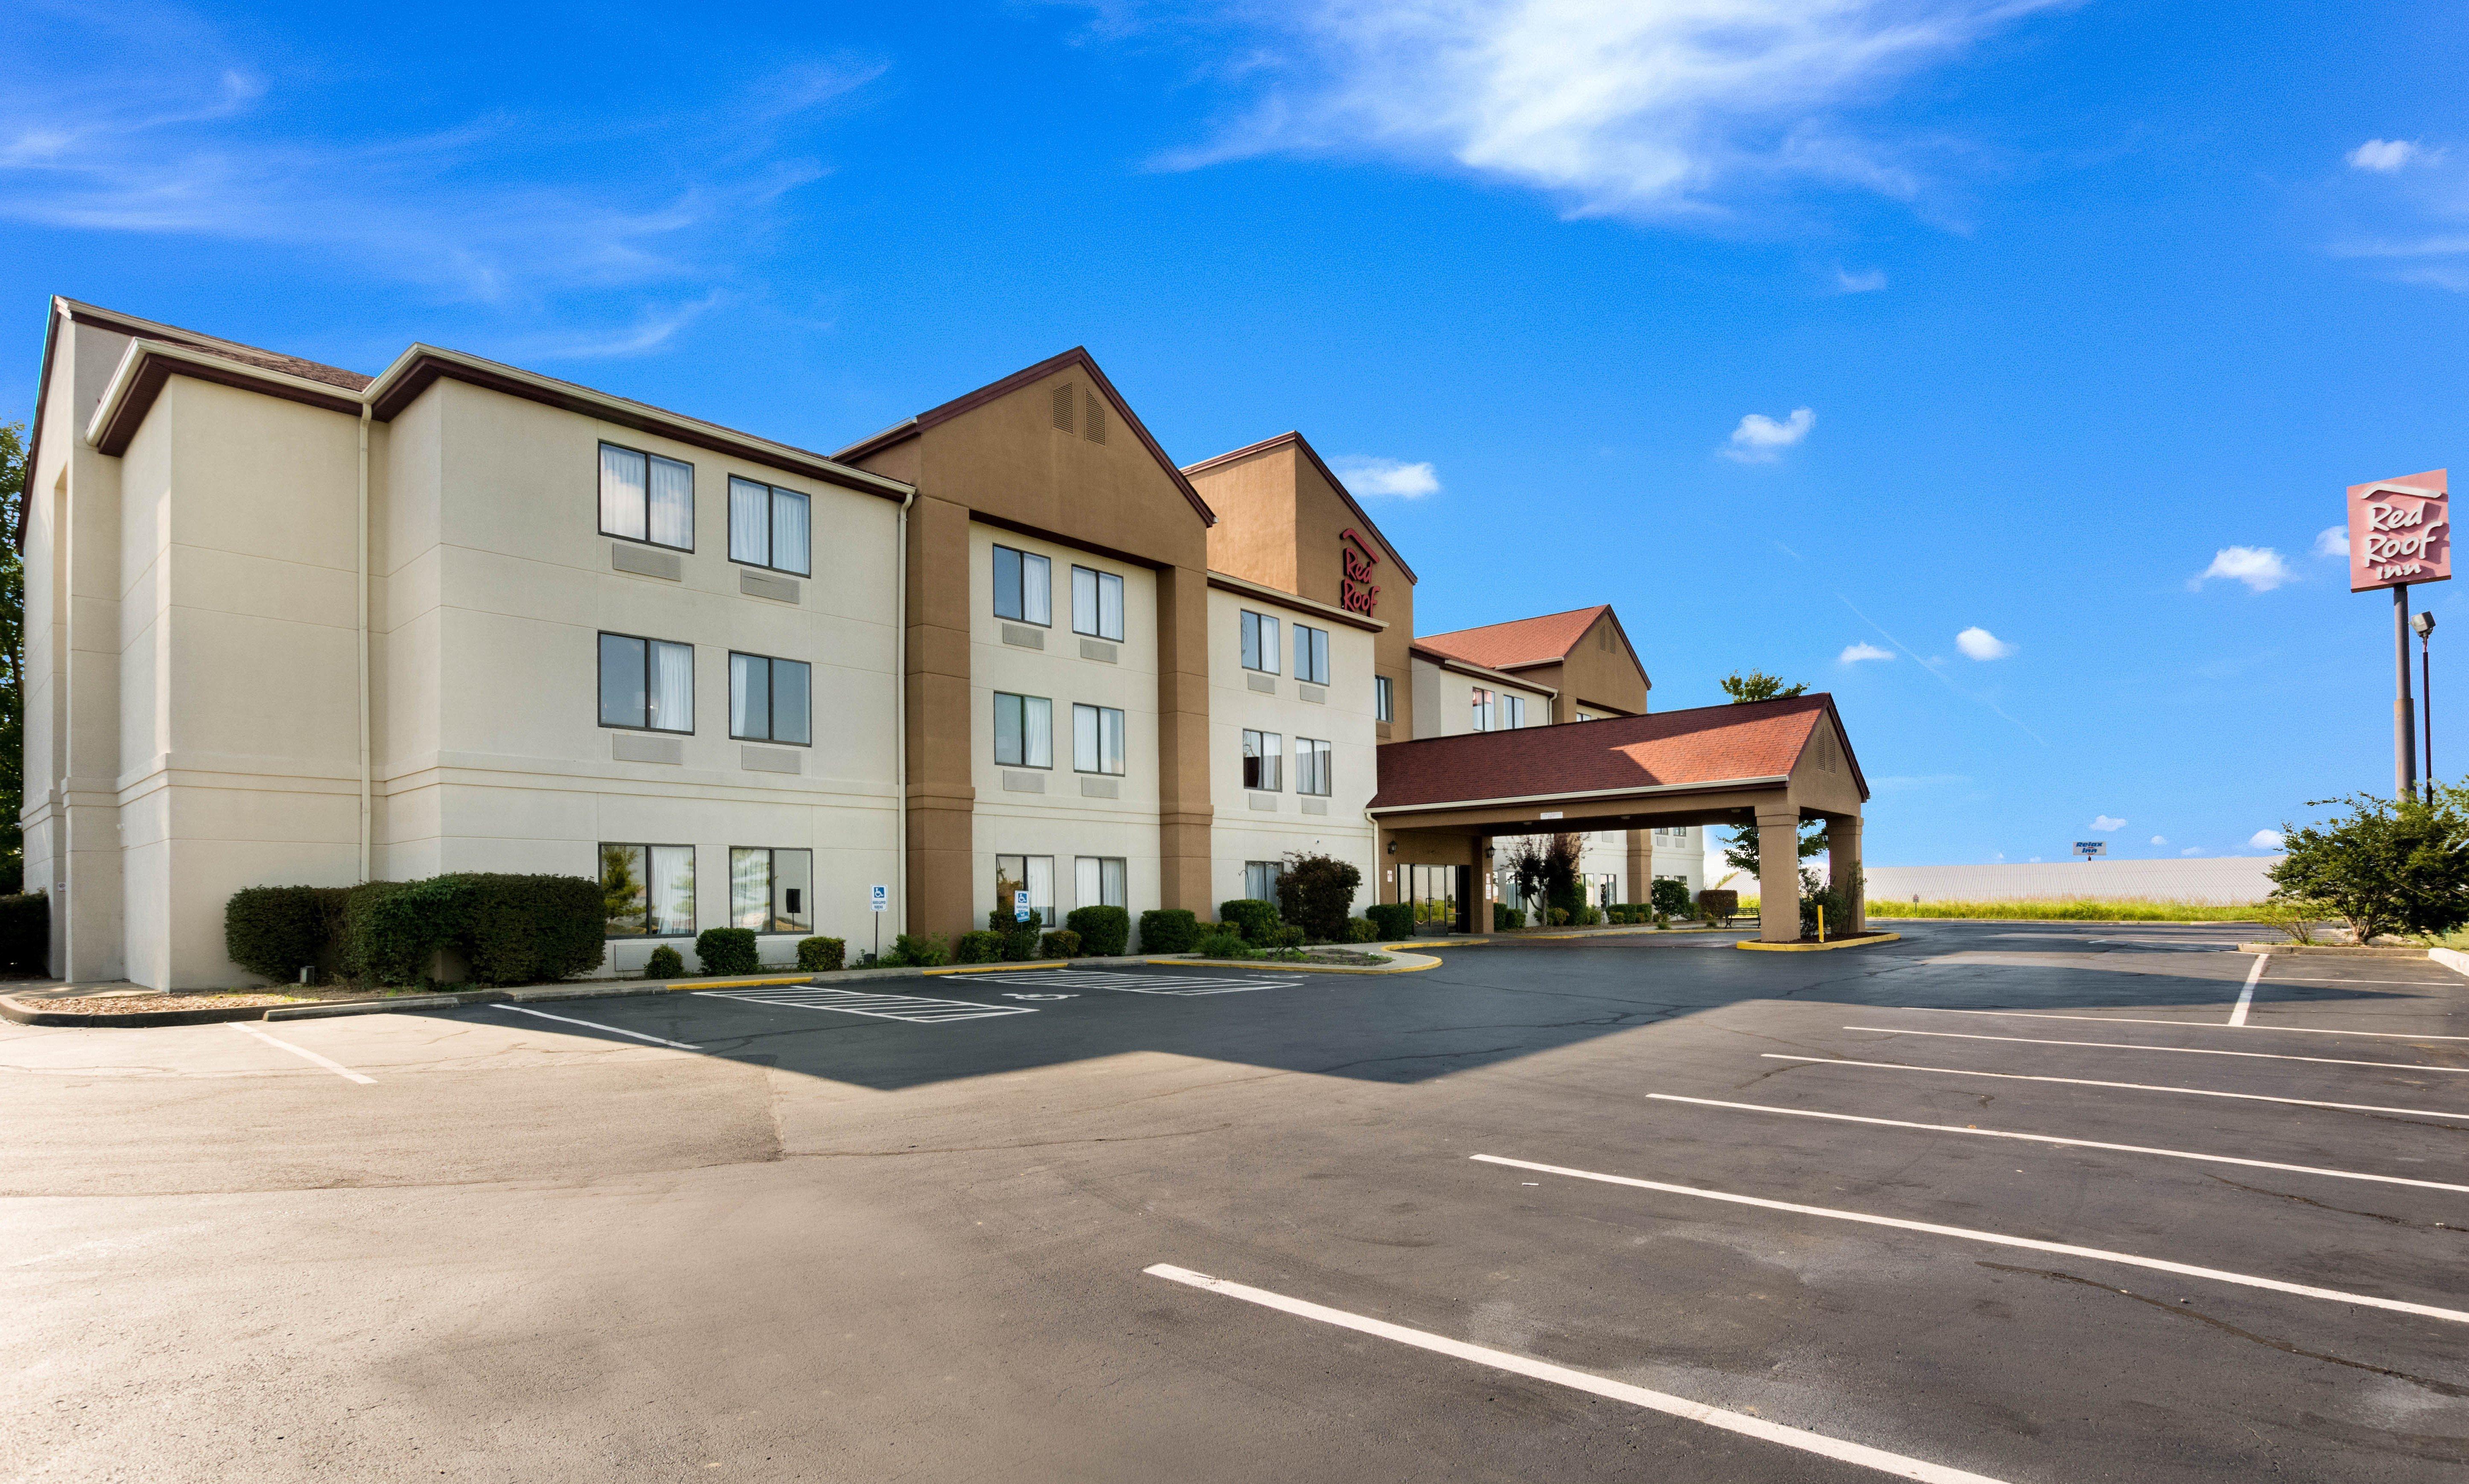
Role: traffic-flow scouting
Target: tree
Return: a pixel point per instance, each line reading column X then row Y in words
column 1545, row 869
column 12, row 658
column 1742, row 855
column 1316, row 893
column 2387, row 867
column 1757, row 685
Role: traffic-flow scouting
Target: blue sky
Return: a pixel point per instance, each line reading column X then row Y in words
column 2077, row 298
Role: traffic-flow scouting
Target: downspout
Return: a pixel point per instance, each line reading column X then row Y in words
column 366, row 843
column 900, row 706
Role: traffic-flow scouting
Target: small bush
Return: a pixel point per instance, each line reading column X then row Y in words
column 1719, row 904
column 1285, row 935
column 1505, row 916
column 1059, row 942
column 978, row 947
column 665, row 964
column 1316, row 891
column 1169, row 931
column 1560, row 917
column 1225, row 944
column 918, row 950
column 26, row 932
column 276, row 932
column 1392, row 919
column 1670, row 896
column 1105, row 932
column 1249, row 916
column 1019, row 938
column 1359, row 929
column 727, row 951
column 821, row 955
column 508, row 928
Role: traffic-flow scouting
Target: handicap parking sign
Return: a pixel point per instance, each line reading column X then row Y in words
column 1020, row 906
column 882, row 898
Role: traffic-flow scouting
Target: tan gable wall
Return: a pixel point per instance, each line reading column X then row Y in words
column 1599, row 674
column 1255, row 501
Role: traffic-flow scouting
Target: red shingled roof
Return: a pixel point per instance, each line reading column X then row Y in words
column 1708, row 744
column 1525, row 641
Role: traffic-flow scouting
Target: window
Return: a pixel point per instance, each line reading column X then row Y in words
column 1096, row 739
column 1311, row 765
column 1384, row 698
column 1486, row 710
column 769, row 700
column 1032, row 874
column 771, row 891
column 648, row 890
column 1098, row 603
column 1513, row 710
column 1024, row 731
column 644, row 497
column 1260, row 642
column 1022, row 586
column 1261, row 879
column 768, row 527
column 1264, row 759
column 1097, row 882
column 646, row 683
column 1585, row 717
column 1311, row 655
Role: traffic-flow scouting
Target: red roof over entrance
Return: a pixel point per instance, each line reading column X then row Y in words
column 1706, row 747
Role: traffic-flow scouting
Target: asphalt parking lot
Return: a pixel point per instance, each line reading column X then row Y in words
column 2025, row 1202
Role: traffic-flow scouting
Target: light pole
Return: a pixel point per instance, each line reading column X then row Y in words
column 2424, row 624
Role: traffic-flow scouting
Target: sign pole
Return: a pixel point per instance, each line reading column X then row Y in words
column 2404, row 720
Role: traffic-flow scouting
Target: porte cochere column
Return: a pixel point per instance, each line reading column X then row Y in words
column 1778, row 877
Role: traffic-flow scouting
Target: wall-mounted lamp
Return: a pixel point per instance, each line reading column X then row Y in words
column 1393, row 847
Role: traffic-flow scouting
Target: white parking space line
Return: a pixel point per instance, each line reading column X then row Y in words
column 915, row 1009
column 2131, row 1086
column 2198, row 1025
column 2184, row 1051
column 613, row 1030
column 1867, row 1457
column 303, row 1052
column 2048, row 1138
column 1141, row 984
column 2449, row 981
column 2245, row 995
column 1994, row 1239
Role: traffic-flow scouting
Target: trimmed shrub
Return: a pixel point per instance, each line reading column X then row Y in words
column 1249, row 916
column 1505, row 916
column 1359, row 929
column 1719, row 904
column 1105, row 932
column 1392, row 919
column 821, row 955
column 1019, row 938
column 978, row 947
column 665, row 964
column 1285, row 935
column 508, row 929
column 276, row 932
column 1225, row 944
column 727, row 951
column 1316, row 893
column 1169, row 931
column 26, row 932
column 1670, row 897
column 1059, row 942
column 1560, row 917
column 918, row 950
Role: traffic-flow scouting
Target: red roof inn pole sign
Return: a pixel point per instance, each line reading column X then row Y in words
column 2400, row 532
column 1355, row 592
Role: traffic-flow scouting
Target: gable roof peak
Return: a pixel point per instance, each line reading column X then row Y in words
column 1303, row 446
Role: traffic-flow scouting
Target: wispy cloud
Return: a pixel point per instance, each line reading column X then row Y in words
column 2160, row 839
column 1978, row 643
column 2104, row 822
column 2383, row 156
column 1933, row 668
column 1855, row 653
column 2408, row 204
column 1760, row 439
column 2331, row 542
column 1367, row 475
column 1867, row 283
column 1648, row 110
column 2192, row 850
column 2259, row 567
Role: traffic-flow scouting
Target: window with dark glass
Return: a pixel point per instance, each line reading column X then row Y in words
column 1024, row 730
column 1031, row 873
column 1024, row 586
column 646, row 891
column 771, row 891
column 1486, row 710
column 1097, row 603
column 770, row 700
column 1512, row 711
column 767, row 526
column 646, row 683
column 1311, row 655
column 644, row 497
column 1264, row 759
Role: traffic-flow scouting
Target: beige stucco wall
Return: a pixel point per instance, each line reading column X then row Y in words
column 1343, row 720
column 1443, row 700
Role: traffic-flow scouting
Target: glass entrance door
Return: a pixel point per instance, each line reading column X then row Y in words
column 1439, row 895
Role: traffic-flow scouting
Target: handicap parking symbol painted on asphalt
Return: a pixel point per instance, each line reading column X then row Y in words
column 1013, row 994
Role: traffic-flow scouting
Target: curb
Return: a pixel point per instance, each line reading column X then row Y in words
column 2337, row 950
column 1273, row 965
column 1865, row 941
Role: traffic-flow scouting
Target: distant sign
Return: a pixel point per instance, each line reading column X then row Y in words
column 2400, row 532
column 1020, row 906
column 2090, row 848
column 882, row 898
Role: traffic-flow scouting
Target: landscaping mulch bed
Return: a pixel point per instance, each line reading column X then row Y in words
column 146, row 1003
column 1348, row 956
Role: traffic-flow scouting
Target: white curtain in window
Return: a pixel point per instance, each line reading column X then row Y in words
column 671, row 698
column 749, row 888
column 621, row 491
column 1036, row 589
column 1041, row 886
column 749, row 695
column 749, row 521
column 1109, row 607
column 1084, row 739
column 673, row 889
column 1109, row 882
column 789, row 522
column 1268, row 644
column 1088, row 886
column 1084, row 600
column 1037, row 731
column 672, row 503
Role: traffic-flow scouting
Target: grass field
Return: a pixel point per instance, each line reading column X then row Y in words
column 2072, row 910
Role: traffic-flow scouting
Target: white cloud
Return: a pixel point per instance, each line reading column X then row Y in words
column 1869, row 282
column 1980, row 644
column 1760, row 439
column 2192, row 850
column 2103, row 822
column 1855, row 653
column 2160, row 839
column 1366, row 475
column 2383, row 156
column 2259, row 567
column 2331, row 542
column 1664, row 110
column 2265, row 840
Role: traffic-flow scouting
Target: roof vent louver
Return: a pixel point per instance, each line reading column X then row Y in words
column 1094, row 429
column 1062, row 409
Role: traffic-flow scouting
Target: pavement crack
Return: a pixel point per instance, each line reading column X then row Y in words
column 2182, row 1312
column 1417, row 1056
column 985, row 1149
column 2372, row 1215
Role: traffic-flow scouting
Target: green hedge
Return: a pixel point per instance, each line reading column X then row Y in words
column 1719, row 904
column 1316, row 893
column 1392, row 920
column 821, row 955
column 1505, row 916
column 1105, row 932
column 727, row 951
column 276, row 932
column 978, row 947
column 508, row 929
column 1670, row 896
column 1169, row 931
column 1251, row 917
column 1225, row 943
column 665, row 963
column 918, row 950
column 1059, row 942
column 26, row 932
column 1359, row 929
column 1019, row 938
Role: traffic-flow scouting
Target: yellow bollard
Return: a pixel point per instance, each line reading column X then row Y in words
column 1821, row 921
